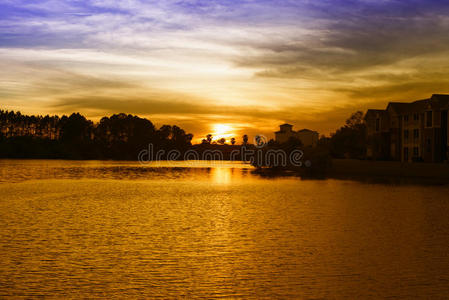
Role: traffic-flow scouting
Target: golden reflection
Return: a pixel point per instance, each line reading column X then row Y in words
column 221, row 175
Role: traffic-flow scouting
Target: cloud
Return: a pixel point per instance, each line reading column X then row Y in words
column 260, row 62
column 352, row 45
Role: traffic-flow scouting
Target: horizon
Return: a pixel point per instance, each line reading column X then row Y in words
column 219, row 131
column 245, row 67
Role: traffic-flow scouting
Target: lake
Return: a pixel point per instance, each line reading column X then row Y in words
column 215, row 230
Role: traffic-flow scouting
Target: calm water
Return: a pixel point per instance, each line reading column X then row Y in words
column 118, row 229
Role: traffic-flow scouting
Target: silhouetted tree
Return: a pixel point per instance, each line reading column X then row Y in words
column 324, row 141
column 272, row 143
column 209, row 138
column 189, row 138
column 355, row 120
column 120, row 136
column 349, row 141
column 180, row 140
column 123, row 136
column 233, row 141
column 245, row 139
column 75, row 129
column 76, row 136
column 221, row 141
column 165, row 132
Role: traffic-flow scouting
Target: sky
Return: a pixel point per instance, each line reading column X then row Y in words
column 244, row 66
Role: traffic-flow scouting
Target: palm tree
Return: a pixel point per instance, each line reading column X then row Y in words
column 245, row 139
column 233, row 141
column 209, row 138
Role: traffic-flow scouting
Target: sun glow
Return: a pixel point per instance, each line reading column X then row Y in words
column 222, row 131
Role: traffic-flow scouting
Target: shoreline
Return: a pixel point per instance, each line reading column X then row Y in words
column 339, row 169
column 364, row 168
column 371, row 171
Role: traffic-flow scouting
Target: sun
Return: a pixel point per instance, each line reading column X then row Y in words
column 222, row 131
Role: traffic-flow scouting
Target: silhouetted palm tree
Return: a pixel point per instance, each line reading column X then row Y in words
column 209, row 138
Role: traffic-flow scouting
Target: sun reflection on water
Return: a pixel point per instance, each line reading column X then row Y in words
column 222, row 175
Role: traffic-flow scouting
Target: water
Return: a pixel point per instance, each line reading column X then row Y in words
column 122, row 230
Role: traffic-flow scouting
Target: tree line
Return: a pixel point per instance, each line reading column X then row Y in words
column 120, row 136
column 123, row 136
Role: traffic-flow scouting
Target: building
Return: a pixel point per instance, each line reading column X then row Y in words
column 308, row 137
column 285, row 133
column 416, row 131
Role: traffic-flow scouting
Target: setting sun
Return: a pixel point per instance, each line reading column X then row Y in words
column 222, row 131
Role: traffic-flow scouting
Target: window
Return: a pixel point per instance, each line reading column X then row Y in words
column 406, row 154
column 377, row 124
column 415, row 151
column 429, row 120
column 429, row 145
column 416, row 117
column 406, row 136
column 415, row 134
column 406, row 118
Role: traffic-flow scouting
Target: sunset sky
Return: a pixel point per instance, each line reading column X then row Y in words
column 239, row 66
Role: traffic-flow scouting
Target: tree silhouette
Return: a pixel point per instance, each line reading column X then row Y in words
column 221, row 141
column 245, row 139
column 76, row 128
column 350, row 140
column 119, row 136
column 165, row 132
column 233, row 141
column 355, row 120
column 209, row 138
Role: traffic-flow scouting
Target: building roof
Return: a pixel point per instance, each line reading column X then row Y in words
column 441, row 96
column 402, row 107
column 375, row 112
column 439, row 101
column 306, row 130
column 302, row 130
